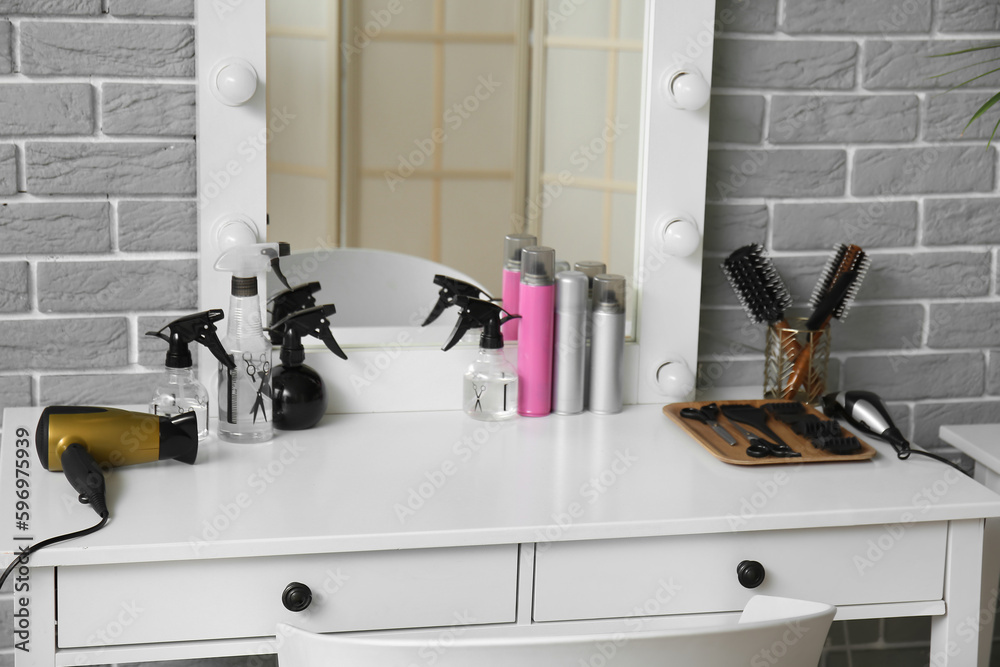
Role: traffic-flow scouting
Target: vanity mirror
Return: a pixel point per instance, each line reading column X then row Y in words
column 658, row 226
column 434, row 128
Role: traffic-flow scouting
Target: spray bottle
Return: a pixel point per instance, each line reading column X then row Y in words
column 289, row 301
column 451, row 289
column 489, row 391
column 298, row 391
column 179, row 390
column 245, row 391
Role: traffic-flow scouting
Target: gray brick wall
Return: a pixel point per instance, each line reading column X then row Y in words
column 98, row 224
column 828, row 126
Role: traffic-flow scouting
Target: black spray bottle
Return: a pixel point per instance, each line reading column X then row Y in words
column 489, row 390
column 298, row 391
column 179, row 391
column 290, row 301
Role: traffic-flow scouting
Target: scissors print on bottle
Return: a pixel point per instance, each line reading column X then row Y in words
column 263, row 375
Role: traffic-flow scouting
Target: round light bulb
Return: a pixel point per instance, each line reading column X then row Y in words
column 234, row 232
column 674, row 379
column 688, row 89
column 680, row 236
column 234, row 82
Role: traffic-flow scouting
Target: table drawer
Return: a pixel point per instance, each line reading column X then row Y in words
column 139, row 603
column 698, row 573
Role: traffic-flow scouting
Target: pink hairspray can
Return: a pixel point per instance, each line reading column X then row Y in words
column 534, row 345
column 512, row 246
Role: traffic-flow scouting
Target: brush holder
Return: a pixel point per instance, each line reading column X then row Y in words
column 794, row 344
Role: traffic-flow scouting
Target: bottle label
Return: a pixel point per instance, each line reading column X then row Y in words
column 258, row 370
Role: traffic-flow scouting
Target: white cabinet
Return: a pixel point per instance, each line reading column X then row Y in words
column 689, row 574
column 139, row 603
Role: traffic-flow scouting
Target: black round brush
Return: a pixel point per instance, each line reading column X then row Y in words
column 757, row 284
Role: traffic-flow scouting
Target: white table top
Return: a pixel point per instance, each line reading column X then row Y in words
column 979, row 441
column 354, row 484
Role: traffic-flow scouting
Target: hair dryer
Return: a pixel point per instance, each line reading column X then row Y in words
column 82, row 441
column 866, row 412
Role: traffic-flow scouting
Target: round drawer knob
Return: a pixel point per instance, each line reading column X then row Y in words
column 296, row 596
column 750, row 573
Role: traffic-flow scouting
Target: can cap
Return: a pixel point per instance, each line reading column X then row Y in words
column 591, row 268
column 609, row 293
column 571, row 291
column 538, row 265
column 512, row 246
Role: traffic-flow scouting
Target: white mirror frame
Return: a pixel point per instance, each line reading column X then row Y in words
column 660, row 365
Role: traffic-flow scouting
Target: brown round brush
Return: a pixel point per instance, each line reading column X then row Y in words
column 832, row 297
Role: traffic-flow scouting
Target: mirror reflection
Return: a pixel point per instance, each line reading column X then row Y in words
column 433, row 128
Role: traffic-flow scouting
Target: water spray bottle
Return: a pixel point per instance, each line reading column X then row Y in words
column 298, row 391
column 179, row 390
column 245, row 390
column 451, row 289
column 489, row 390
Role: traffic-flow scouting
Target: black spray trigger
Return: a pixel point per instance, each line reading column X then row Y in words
column 479, row 313
column 289, row 301
column 307, row 322
column 276, row 267
column 451, row 289
column 197, row 328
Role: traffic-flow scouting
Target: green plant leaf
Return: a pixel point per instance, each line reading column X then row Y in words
column 983, row 62
column 965, row 83
column 993, row 135
column 983, row 109
column 969, row 50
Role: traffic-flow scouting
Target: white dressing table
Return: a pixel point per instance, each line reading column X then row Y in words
column 408, row 520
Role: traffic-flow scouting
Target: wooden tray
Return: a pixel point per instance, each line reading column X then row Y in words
column 736, row 454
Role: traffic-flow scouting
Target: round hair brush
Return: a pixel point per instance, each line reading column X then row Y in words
column 760, row 289
column 831, row 299
column 757, row 284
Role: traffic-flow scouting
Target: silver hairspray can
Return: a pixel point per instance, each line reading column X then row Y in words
column 607, row 348
column 590, row 269
column 570, row 343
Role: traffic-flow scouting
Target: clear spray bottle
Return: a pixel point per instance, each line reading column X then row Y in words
column 178, row 390
column 245, row 391
column 489, row 388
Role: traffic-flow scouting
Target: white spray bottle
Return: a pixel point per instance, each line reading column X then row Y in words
column 245, row 391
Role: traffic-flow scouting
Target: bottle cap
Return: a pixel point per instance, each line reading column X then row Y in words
column 479, row 313
column 196, row 328
column 591, row 268
column 513, row 244
column 538, row 265
column 571, row 291
column 609, row 293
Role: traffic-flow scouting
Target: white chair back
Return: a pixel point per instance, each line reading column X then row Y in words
column 771, row 631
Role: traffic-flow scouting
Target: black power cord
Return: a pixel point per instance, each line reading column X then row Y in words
column 905, row 454
column 22, row 558
column 86, row 477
